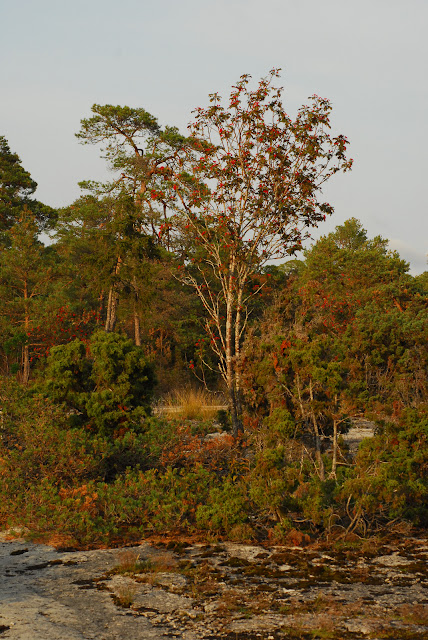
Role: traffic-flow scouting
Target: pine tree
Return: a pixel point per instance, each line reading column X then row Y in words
column 26, row 273
column 16, row 189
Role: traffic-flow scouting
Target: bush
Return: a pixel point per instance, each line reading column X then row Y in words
column 227, row 506
column 85, row 487
column 106, row 384
column 272, row 481
column 390, row 479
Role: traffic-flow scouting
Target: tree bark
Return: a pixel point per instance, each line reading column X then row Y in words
column 137, row 331
column 25, row 364
column 320, row 462
column 237, row 363
column 230, row 362
column 26, row 350
column 113, row 301
column 334, row 459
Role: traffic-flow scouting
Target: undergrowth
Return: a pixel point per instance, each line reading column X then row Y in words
column 167, row 477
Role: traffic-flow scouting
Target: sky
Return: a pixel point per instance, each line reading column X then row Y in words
column 368, row 57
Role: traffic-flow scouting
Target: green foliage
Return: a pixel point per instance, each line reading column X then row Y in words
column 48, row 472
column 390, row 479
column 226, row 507
column 346, row 334
column 106, row 384
column 280, row 424
column 16, row 189
column 167, row 500
column 57, row 480
column 27, row 273
column 339, row 333
column 272, row 481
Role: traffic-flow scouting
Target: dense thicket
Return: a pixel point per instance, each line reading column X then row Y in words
column 102, row 322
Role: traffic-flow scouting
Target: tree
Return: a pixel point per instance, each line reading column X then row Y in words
column 26, row 272
column 255, row 195
column 390, row 477
column 345, row 336
column 105, row 252
column 367, row 298
column 144, row 156
column 16, row 189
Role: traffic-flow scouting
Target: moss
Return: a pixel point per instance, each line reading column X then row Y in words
column 235, row 562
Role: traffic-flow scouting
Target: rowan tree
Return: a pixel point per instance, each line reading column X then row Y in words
column 254, row 196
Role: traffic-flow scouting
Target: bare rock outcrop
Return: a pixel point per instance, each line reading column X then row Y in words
column 227, row 590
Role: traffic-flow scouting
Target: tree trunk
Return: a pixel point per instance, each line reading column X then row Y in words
column 336, row 422
column 230, row 362
column 237, row 363
column 25, row 364
column 137, row 331
column 113, row 301
column 26, row 350
column 334, row 459
column 320, row 462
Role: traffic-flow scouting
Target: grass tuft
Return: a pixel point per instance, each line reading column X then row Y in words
column 192, row 404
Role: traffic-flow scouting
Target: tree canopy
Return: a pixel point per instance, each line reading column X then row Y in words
column 255, row 194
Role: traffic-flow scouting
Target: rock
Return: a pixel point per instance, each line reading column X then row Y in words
column 358, row 626
column 393, row 560
column 269, row 622
column 217, row 436
column 243, row 551
column 161, row 601
column 172, row 581
column 360, row 430
column 235, row 589
column 51, row 602
column 17, row 534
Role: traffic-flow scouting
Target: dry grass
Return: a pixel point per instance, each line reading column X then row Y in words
column 413, row 614
column 192, row 404
column 163, row 562
column 125, row 595
column 129, row 562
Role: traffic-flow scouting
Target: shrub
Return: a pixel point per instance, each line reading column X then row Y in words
column 105, row 384
column 272, row 481
column 390, row 479
column 226, row 508
column 156, row 501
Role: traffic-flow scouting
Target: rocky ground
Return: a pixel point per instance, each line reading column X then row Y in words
column 347, row 590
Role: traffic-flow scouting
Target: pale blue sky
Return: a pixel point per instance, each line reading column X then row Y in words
column 369, row 57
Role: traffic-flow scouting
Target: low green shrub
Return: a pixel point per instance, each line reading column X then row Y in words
column 105, row 384
column 226, row 507
column 390, row 479
column 92, row 488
